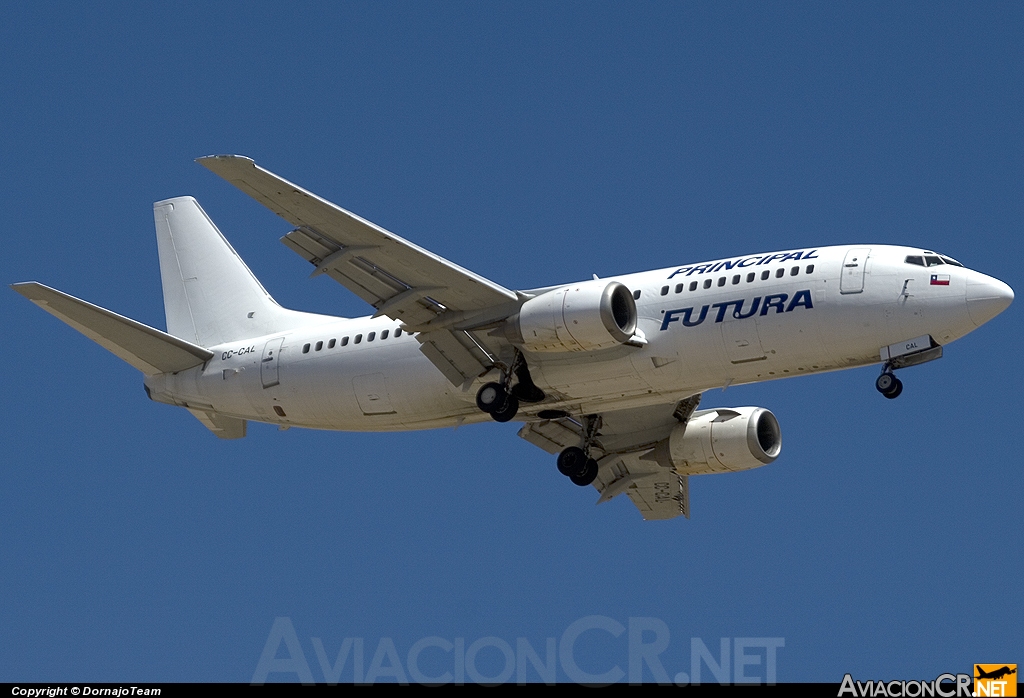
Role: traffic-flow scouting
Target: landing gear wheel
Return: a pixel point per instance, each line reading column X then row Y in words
column 508, row 410
column 884, row 384
column 588, row 475
column 491, row 398
column 572, row 461
column 896, row 390
column 889, row 385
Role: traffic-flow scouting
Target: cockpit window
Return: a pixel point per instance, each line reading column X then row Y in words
column 931, row 259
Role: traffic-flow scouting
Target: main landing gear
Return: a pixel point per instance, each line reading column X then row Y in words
column 575, row 462
column 498, row 402
column 501, row 400
column 888, row 384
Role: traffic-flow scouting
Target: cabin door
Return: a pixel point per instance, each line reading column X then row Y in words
column 852, row 280
column 270, row 363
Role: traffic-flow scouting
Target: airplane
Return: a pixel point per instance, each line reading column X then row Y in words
column 606, row 374
column 995, row 673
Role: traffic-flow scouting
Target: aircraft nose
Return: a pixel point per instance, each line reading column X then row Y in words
column 986, row 297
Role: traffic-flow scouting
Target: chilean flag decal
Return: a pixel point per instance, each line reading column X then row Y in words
column 940, row 280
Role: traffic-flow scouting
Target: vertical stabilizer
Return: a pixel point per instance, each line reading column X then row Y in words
column 210, row 296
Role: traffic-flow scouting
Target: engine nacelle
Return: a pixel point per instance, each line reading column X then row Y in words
column 722, row 440
column 580, row 317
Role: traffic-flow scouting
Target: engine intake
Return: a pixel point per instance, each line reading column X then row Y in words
column 580, row 317
column 722, row 440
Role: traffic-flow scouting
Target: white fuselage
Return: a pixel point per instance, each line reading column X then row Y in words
column 818, row 310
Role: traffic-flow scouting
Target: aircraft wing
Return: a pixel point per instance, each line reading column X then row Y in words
column 624, row 440
column 407, row 283
column 401, row 280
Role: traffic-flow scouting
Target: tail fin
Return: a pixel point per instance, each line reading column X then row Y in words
column 210, row 296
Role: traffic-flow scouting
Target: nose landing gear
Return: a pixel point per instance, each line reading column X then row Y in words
column 888, row 384
column 911, row 352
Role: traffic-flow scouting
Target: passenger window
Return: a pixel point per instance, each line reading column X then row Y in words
column 750, row 277
column 305, row 348
column 679, row 288
column 636, row 295
column 319, row 345
column 359, row 338
column 736, row 279
column 344, row 341
column 330, row 344
column 664, row 290
column 810, row 269
column 384, row 334
column 370, row 337
column 764, row 275
column 794, row 271
column 721, row 281
column 398, row 332
column 707, row 283
column 693, row 285
column 780, row 273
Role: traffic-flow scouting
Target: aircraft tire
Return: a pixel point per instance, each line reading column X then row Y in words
column 507, row 411
column 895, row 391
column 491, row 398
column 885, row 383
column 572, row 461
column 588, row 475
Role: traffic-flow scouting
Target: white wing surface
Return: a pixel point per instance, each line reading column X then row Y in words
column 407, row 283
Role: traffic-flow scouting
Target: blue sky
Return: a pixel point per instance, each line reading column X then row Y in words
column 532, row 143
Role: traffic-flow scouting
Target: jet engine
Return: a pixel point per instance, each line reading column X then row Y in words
column 721, row 440
column 580, row 317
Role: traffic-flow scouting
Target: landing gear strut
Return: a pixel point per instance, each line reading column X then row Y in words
column 888, row 384
column 575, row 462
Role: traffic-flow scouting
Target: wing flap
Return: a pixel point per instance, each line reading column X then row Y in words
column 551, row 435
column 657, row 492
column 459, row 361
column 663, row 496
column 144, row 347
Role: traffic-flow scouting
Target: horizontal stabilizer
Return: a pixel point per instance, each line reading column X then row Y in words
column 221, row 426
column 144, row 347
